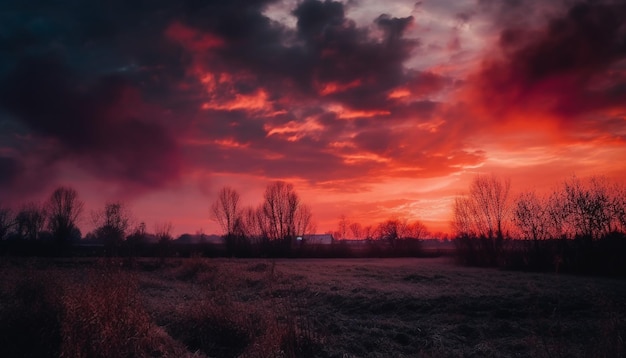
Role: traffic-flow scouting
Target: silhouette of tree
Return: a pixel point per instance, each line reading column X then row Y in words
column 225, row 210
column 279, row 207
column 369, row 232
column 588, row 206
column 7, row 221
column 29, row 221
column 112, row 224
column 356, row 229
column 304, row 224
column 484, row 211
column 136, row 238
column 163, row 234
column 390, row 230
column 619, row 206
column 250, row 223
column 558, row 226
column 531, row 216
column 342, row 227
column 480, row 218
column 415, row 230
column 462, row 217
column 163, row 231
column 395, row 229
column 64, row 209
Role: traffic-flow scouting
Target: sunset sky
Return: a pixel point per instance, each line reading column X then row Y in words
column 372, row 109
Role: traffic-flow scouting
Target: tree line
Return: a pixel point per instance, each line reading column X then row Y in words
column 51, row 227
column 269, row 227
column 391, row 230
column 58, row 215
column 579, row 226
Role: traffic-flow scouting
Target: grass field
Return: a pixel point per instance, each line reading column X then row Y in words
column 304, row 308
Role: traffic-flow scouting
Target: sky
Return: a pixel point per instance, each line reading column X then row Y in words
column 372, row 109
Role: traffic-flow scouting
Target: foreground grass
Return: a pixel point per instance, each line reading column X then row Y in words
column 304, row 308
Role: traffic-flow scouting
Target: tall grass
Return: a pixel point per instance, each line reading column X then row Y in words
column 96, row 313
column 231, row 322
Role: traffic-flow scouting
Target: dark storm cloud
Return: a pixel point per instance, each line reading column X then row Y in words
column 10, row 170
column 569, row 67
column 70, row 73
column 234, row 125
column 341, row 52
column 90, row 121
column 326, row 47
column 113, row 86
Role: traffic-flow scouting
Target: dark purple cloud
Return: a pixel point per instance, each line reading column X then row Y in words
column 120, row 89
column 90, row 122
column 570, row 66
column 10, row 169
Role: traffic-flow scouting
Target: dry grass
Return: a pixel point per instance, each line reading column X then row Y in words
column 305, row 308
column 93, row 312
column 240, row 311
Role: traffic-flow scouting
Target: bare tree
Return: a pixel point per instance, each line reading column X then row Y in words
column 64, row 208
column 588, row 206
column 368, row 232
column 357, row 230
column 557, row 216
column 7, row 221
column 390, row 230
column 254, row 224
column 112, row 223
column 491, row 196
column 225, row 210
column 484, row 211
column 134, row 240
column 279, row 207
column 619, row 206
column 249, row 222
column 304, row 224
column 163, row 233
column 531, row 216
column 342, row 227
column 415, row 230
column 463, row 217
column 29, row 221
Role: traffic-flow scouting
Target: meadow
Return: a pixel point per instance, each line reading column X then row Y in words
column 400, row 307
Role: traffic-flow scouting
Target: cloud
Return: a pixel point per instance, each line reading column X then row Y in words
column 139, row 95
column 569, row 67
column 99, row 124
column 324, row 94
column 10, row 170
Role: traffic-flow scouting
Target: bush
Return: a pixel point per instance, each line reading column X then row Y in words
column 30, row 322
column 99, row 314
column 227, row 325
column 104, row 318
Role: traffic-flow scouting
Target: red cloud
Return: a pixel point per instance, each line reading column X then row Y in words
column 192, row 39
column 567, row 70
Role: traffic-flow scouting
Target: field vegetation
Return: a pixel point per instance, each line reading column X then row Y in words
column 401, row 307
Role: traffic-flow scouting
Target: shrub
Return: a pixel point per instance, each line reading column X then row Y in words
column 29, row 322
column 97, row 313
column 105, row 318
